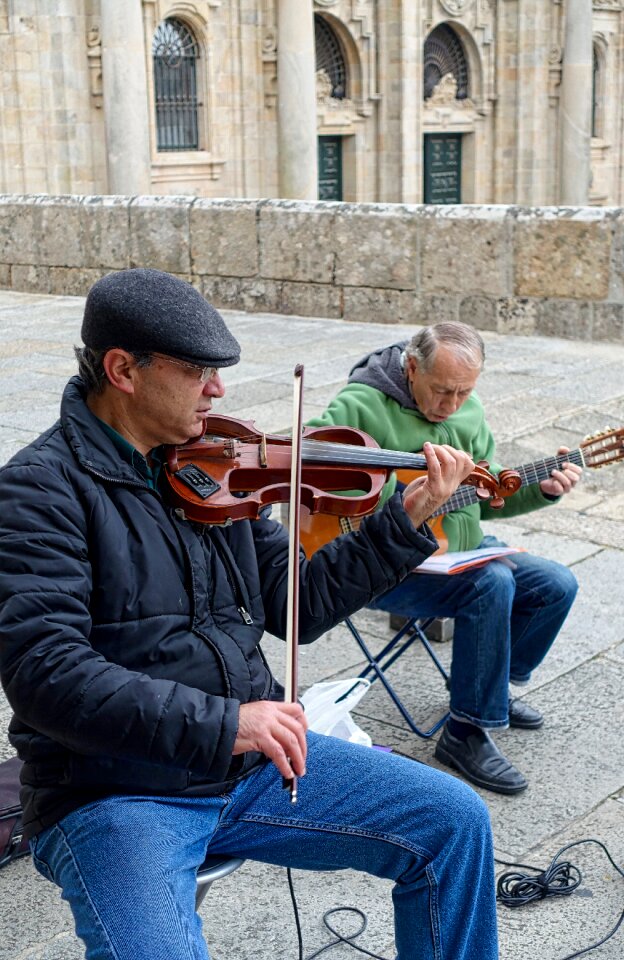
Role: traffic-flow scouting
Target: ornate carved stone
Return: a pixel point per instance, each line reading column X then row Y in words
column 362, row 15
column 323, row 85
column 269, row 44
column 324, row 98
column 94, row 58
column 555, row 55
column 269, row 67
column 444, row 93
column 456, row 7
column 442, row 108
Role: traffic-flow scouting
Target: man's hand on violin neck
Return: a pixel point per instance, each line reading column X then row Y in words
column 278, row 730
column 446, row 468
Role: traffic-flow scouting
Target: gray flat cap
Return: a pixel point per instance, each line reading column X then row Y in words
column 144, row 310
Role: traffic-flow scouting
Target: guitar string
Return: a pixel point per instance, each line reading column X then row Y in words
column 529, row 473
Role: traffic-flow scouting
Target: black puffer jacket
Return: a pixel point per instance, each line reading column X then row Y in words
column 129, row 637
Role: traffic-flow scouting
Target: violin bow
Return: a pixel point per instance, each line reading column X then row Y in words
column 292, row 608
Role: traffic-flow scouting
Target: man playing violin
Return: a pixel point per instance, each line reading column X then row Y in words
column 507, row 614
column 149, row 724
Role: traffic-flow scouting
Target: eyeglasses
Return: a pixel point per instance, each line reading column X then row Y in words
column 204, row 374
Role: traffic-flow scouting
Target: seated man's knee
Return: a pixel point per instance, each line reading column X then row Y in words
column 557, row 584
column 569, row 584
column 494, row 578
column 467, row 814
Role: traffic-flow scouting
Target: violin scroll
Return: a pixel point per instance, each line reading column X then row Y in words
column 492, row 488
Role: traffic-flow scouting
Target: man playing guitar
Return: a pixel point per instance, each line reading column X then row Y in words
column 507, row 614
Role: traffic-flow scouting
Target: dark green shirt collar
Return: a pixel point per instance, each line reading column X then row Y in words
column 132, row 456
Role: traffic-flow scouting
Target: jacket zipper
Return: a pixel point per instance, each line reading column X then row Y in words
column 105, row 476
column 242, row 610
column 234, row 584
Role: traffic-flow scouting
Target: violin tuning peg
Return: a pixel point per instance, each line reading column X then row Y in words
column 497, row 503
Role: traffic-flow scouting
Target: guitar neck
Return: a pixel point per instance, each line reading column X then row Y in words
column 529, row 473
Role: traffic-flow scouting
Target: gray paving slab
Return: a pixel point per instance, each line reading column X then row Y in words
column 572, row 763
column 248, row 394
column 606, row 531
column 540, row 393
column 561, row 926
column 34, row 922
column 617, row 652
column 513, row 416
column 565, row 550
column 275, row 934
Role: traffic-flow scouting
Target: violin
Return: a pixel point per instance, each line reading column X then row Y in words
column 234, row 470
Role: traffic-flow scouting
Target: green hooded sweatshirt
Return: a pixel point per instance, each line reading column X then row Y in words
column 378, row 401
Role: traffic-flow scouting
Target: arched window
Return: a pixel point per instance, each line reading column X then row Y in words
column 175, row 52
column 329, row 57
column 444, row 54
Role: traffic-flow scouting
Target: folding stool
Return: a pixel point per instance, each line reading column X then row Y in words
column 412, row 631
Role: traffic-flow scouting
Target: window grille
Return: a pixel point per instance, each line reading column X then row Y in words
column 175, row 52
column 444, row 54
column 329, row 57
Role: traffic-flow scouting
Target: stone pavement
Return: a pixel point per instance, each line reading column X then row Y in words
column 539, row 393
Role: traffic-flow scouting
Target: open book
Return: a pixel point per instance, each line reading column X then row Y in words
column 464, row 559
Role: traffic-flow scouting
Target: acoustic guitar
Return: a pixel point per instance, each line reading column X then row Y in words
column 595, row 451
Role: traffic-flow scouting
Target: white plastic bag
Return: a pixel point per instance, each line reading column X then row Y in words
column 328, row 705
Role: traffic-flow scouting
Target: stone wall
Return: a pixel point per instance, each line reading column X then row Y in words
column 544, row 270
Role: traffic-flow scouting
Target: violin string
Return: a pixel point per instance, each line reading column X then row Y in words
column 321, row 450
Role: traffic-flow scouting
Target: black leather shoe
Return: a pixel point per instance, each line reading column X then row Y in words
column 480, row 761
column 523, row 716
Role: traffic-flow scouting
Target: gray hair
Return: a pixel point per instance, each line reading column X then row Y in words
column 463, row 340
column 91, row 367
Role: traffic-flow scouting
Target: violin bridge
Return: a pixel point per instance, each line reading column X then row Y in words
column 263, row 451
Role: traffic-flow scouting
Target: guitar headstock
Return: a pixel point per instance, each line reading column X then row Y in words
column 603, row 448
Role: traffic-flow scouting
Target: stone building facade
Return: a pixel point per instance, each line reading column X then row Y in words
column 394, row 101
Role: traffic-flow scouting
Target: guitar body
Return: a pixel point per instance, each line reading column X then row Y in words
column 317, row 529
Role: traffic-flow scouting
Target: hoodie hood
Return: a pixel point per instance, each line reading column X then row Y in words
column 385, row 371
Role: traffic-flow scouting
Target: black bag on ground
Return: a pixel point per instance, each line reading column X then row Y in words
column 12, row 843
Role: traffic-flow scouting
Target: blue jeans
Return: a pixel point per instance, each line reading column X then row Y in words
column 507, row 615
column 127, row 864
